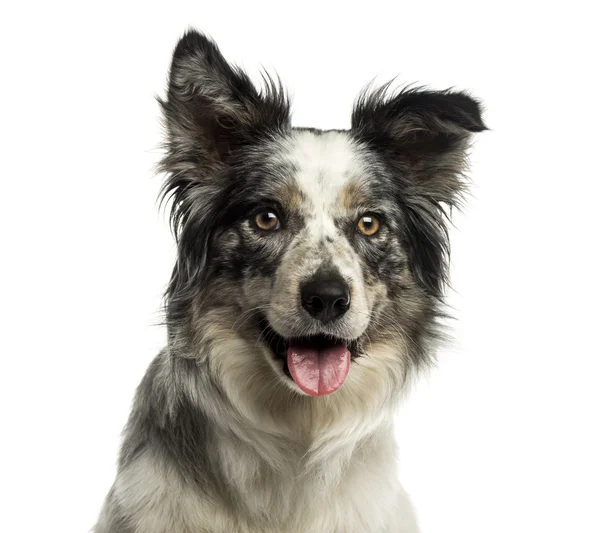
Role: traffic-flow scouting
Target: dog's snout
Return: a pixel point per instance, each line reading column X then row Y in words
column 325, row 298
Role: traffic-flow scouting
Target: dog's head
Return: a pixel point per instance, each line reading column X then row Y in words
column 321, row 249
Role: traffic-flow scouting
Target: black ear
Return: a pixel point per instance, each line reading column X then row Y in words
column 425, row 133
column 423, row 136
column 212, row 107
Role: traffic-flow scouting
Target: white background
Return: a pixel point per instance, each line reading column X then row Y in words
column 502, row 437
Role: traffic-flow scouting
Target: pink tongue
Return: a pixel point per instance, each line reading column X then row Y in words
column 318, row 371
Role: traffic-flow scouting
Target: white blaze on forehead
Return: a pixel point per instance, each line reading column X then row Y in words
column 325, row 163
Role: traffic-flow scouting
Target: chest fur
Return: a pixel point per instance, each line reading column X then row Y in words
column 361, row 496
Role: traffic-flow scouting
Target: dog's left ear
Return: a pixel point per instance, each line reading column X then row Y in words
column 423, row 133
column 423, row 136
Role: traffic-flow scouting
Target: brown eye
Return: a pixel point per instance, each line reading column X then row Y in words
column 267, row 221
column 368, row 225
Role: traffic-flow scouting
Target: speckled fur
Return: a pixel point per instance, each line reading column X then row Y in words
column 220, row 440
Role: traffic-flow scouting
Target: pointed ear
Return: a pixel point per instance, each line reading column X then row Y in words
column 212, row 107
column 423, row 136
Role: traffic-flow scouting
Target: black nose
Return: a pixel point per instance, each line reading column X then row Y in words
column 325, row 298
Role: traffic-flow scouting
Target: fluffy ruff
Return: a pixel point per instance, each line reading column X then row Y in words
column 223, row 437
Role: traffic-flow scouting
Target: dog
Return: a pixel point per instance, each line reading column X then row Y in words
column 307, row 293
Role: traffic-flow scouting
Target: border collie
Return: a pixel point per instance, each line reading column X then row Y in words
column 307, row 292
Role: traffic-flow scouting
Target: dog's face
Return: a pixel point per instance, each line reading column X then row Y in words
column 316, row 240
column 321, row 247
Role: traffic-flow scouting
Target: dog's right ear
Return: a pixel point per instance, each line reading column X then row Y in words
column 212, row 107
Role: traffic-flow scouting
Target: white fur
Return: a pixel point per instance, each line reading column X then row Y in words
column 325, row 163
column 366, row 500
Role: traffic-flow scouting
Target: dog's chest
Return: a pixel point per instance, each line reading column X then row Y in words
column 343, row 488
column 358, row 506
column 366, row 499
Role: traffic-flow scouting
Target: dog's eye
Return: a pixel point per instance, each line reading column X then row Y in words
column 368, row 225
column 267, row 221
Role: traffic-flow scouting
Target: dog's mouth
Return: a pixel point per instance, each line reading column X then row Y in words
column 318, row 364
